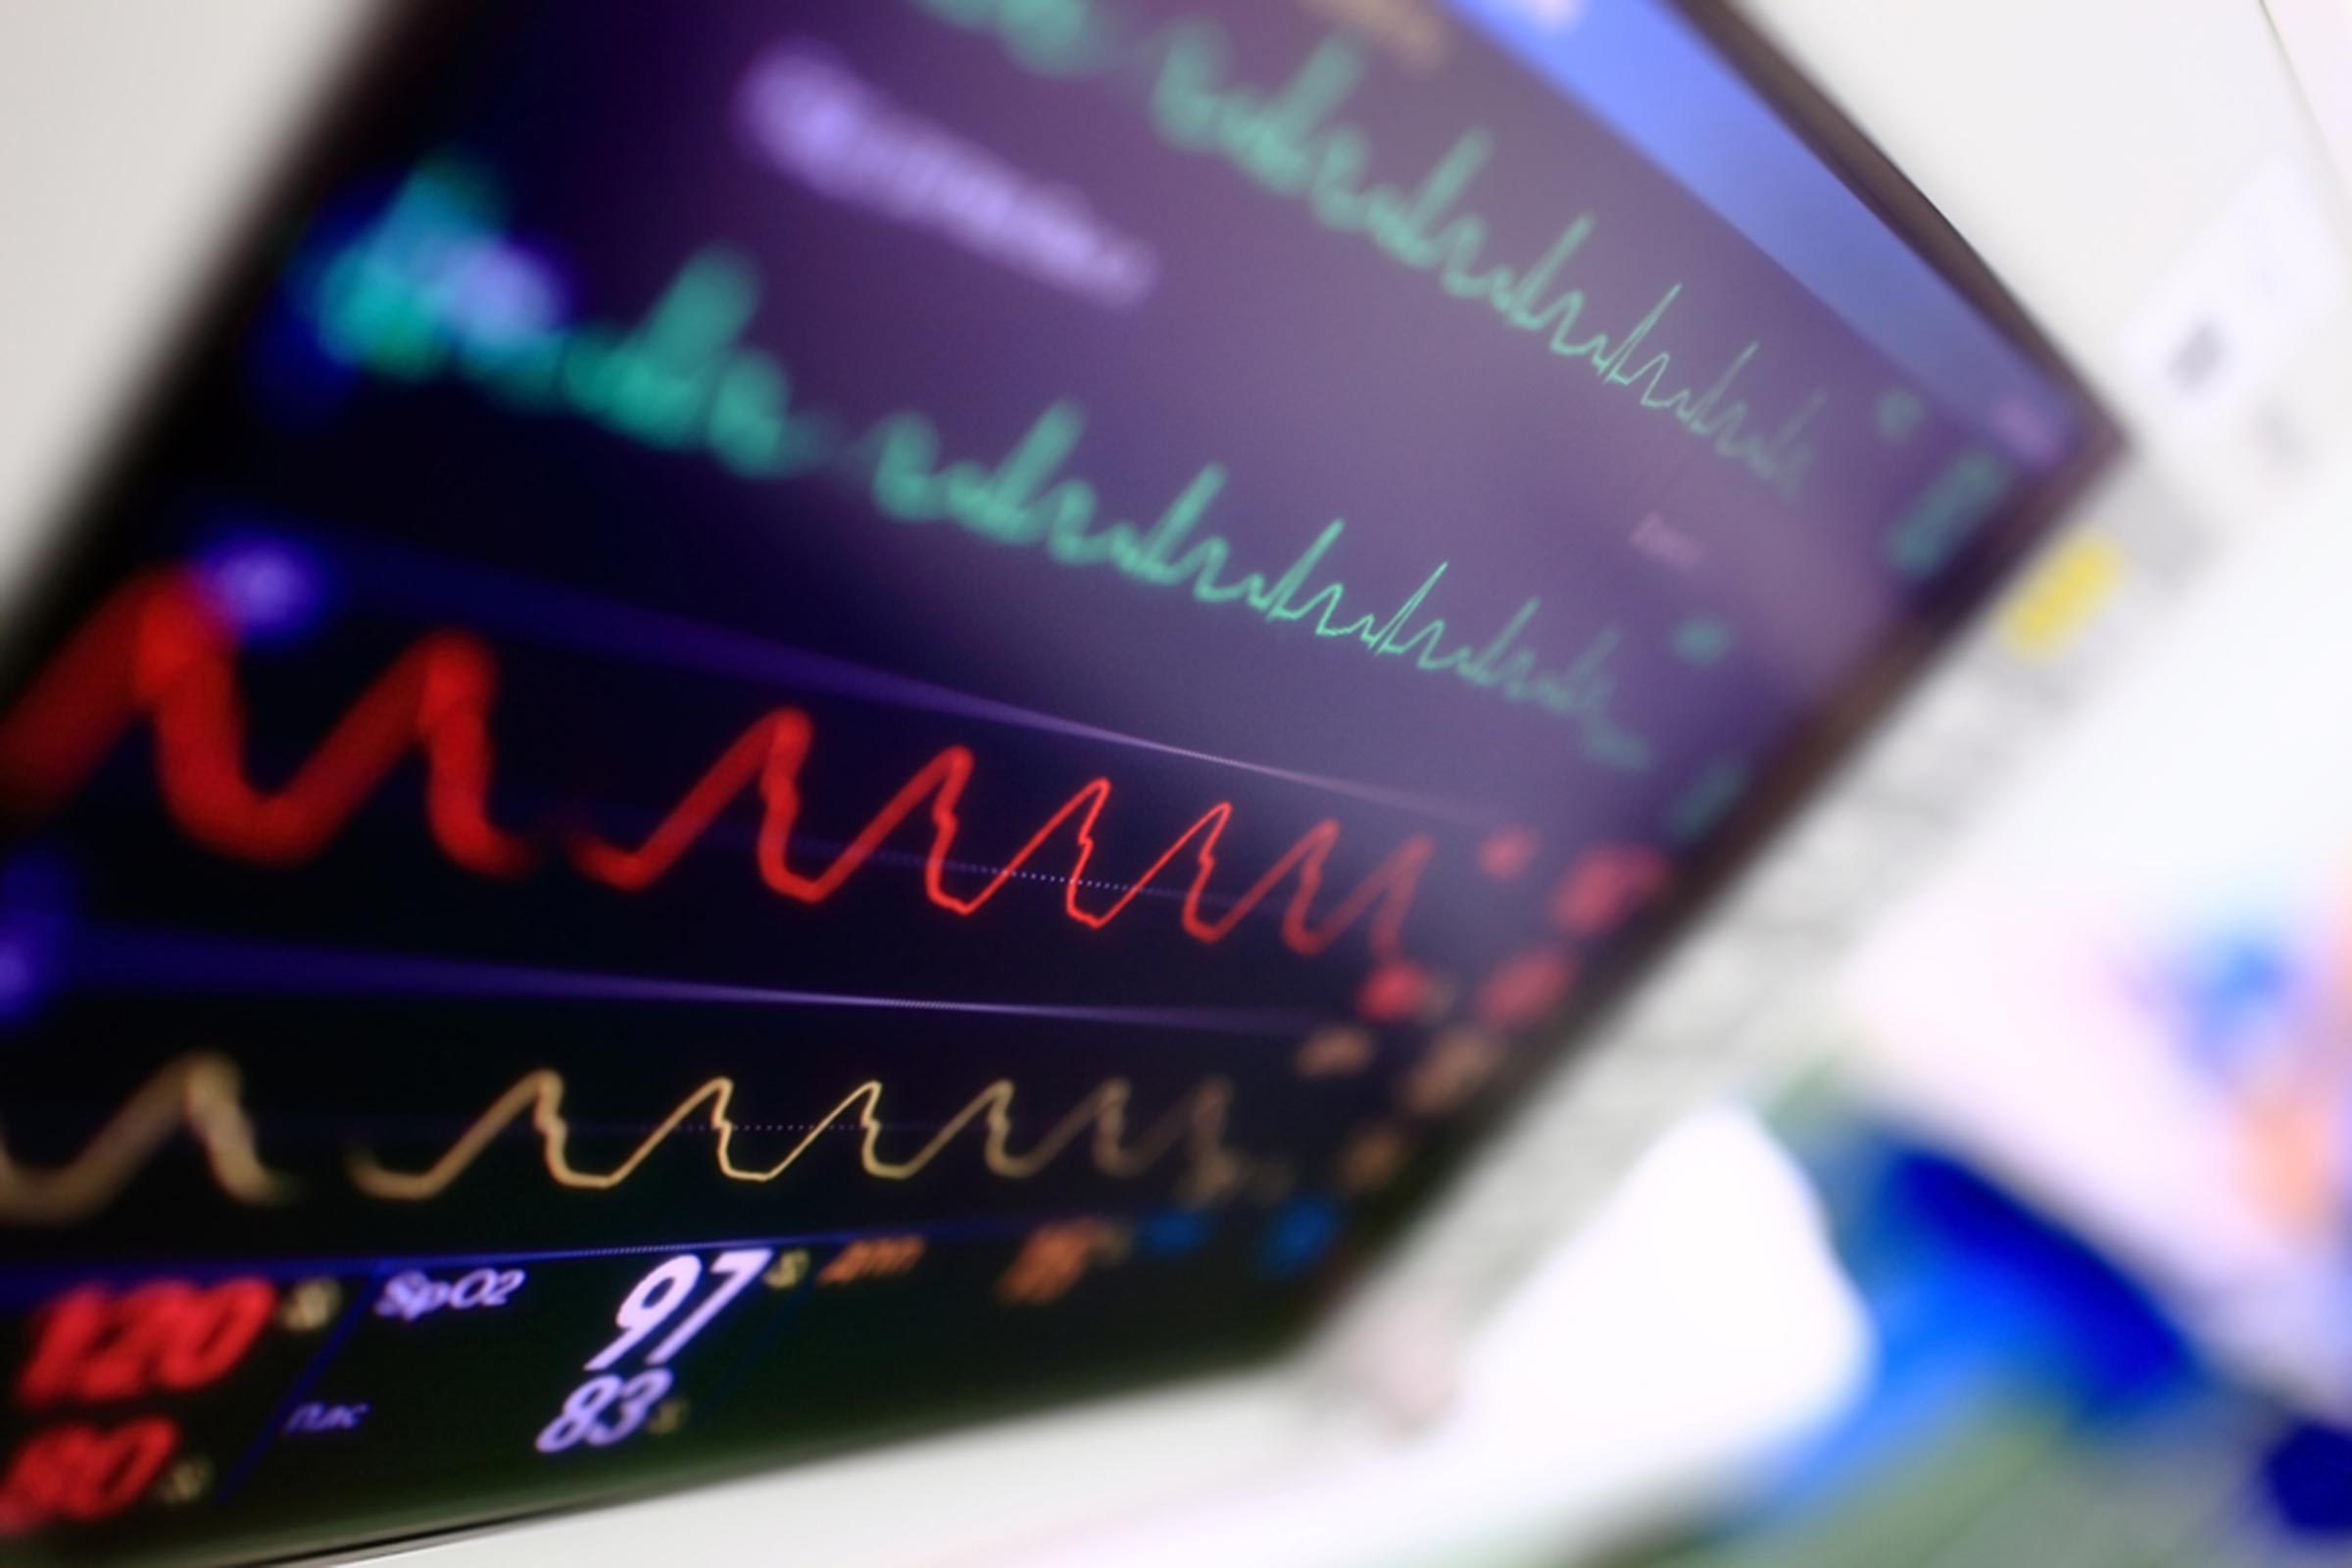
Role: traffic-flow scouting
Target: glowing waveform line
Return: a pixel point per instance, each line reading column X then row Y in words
column 552, row 615
column 768, row 757
column 202, row 1094
column 156, row 652
column 151, row 960
column 1197, row 1123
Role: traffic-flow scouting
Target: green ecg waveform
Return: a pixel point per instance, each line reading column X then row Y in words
column 681, row 380
column 1288, row 142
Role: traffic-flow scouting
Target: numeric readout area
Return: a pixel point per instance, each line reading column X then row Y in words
column 215, row 1418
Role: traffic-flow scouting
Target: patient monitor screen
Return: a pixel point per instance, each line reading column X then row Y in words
column 810, row 717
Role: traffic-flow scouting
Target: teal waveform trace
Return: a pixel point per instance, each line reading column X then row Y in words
column 682, row 379
column 1012, row 504
column 1288, row 142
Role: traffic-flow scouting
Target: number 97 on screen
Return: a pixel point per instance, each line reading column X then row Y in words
column 660, row 1317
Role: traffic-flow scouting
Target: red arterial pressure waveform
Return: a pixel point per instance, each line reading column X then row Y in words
column 158, row 652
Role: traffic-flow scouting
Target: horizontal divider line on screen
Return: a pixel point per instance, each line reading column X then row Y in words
column 147, row 961
column 33, row 1283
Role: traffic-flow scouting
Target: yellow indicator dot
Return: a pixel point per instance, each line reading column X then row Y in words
column 187, row 1481
column 787, row 1271
column 667, row 1417
column 310, row 1306
column 2053, row 606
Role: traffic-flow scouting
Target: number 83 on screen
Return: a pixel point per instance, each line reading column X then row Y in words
column 676, row 1302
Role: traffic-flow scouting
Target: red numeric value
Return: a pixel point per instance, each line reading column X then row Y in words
column 167, row 1336
column 81, row 1473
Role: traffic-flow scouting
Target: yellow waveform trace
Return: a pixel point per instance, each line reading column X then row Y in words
column 202, row 1094
column 1197, row 1124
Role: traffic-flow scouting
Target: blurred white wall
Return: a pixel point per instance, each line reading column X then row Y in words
column 2100, row 154
column 131, row 133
